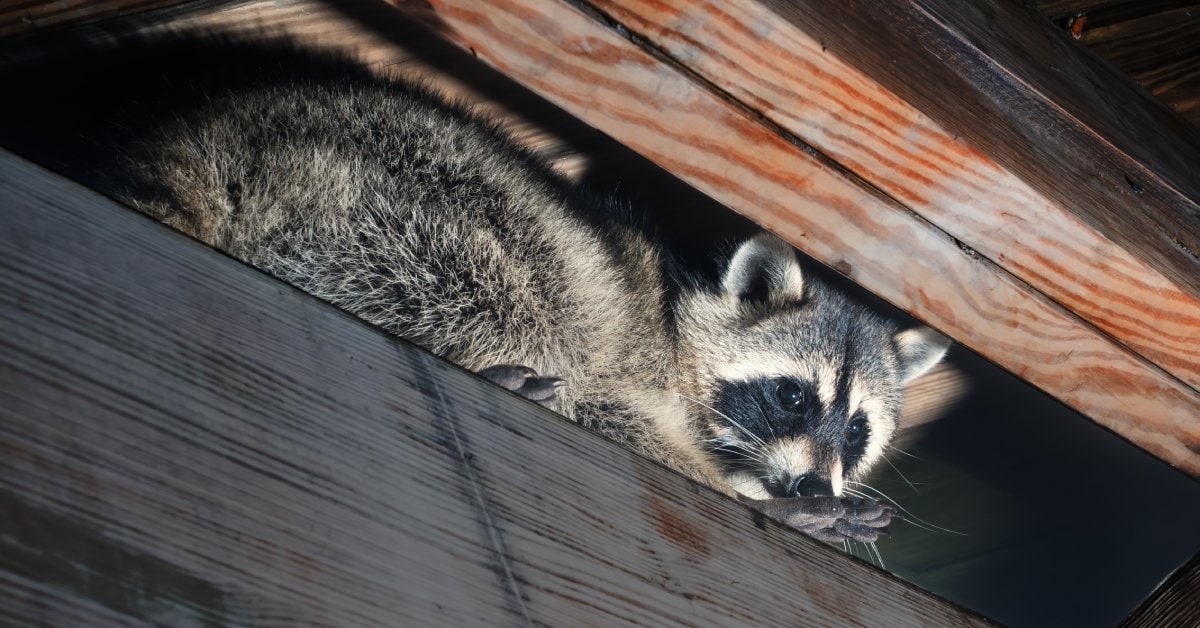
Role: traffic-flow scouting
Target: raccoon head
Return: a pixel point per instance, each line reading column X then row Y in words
column 796, row 388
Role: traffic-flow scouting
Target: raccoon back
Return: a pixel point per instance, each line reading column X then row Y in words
column 374, row 194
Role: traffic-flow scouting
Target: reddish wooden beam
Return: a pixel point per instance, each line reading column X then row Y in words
column 788, row 77
column 591, row 68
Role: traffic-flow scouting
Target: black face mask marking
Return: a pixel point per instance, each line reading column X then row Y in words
column 758, row 412
column 767, row 409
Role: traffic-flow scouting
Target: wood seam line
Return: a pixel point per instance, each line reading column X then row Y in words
column 1124, row 156
column 479, row 492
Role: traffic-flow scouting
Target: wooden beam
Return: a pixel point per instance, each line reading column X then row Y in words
column 789, row 78
column 592, row 69
column 1026, row 94
column 1176, row 602
column 1159, row 48
column 186, row 440
column 26, row 18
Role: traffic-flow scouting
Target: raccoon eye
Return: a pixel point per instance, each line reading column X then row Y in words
column 790, row 396
column 856, row 431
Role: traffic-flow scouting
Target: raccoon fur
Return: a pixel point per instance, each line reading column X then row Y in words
column 418, row 216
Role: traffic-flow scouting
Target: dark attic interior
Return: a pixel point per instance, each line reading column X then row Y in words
column 1020, row 175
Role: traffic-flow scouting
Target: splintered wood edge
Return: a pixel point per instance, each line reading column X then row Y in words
column 595, row 72
column 187, row 440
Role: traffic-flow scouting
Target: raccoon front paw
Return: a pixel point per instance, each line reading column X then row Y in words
column 832, row 519
column 525, row 382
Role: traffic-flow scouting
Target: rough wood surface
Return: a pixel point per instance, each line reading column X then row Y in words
column 1175, row 603
column 23, row 17
column 186, row 440
column 1072, row 126
column 598, row 74
column 1159, row 48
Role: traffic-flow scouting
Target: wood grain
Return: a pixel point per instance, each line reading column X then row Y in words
column 1025, row 94
column 788, row 77
column 1160, row 50
column 186, row 440
column 597, row 74
column 1174, row 603
column 24, row 17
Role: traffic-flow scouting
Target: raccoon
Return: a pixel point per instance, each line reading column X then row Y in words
column 427, row 220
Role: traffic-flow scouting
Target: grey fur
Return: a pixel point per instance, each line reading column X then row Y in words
column 430, row 223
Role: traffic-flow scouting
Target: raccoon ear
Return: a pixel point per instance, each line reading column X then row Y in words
column 764, row 267
column 919, row 349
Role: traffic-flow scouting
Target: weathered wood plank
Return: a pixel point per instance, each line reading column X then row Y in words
column 1103, row 12
column 783, row 74
column 187, row 440
column 1067, row 123
column 1161, row 51
column 596, row 73
column 23, row 17
column 1175, row 603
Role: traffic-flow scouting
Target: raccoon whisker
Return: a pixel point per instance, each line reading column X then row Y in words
column 737, row 448
column 927, row 528
column 898, row 450
column 726, row 417
column 743, row 454
column 766, row 417
column 901, row 474
column 867, row 557
column 750, row 458
column 854, row 493
column 905, row 511
column 867, row 550
column 912, row 522
column 878, row 555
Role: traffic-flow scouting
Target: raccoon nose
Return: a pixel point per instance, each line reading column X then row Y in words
column 811, row 485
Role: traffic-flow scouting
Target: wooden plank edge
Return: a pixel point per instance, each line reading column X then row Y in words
column 1176, row 602
column 599, row 76
column 187, row 439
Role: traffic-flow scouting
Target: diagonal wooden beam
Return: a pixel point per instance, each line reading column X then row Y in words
column 789, row 77
column 1072, row 126
column 590, row 67
column 189, row 441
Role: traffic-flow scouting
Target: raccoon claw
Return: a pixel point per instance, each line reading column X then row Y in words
column 525, row 382
column 833, row 519
column 810, row 515
column 856, row 531
column 866, row 510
